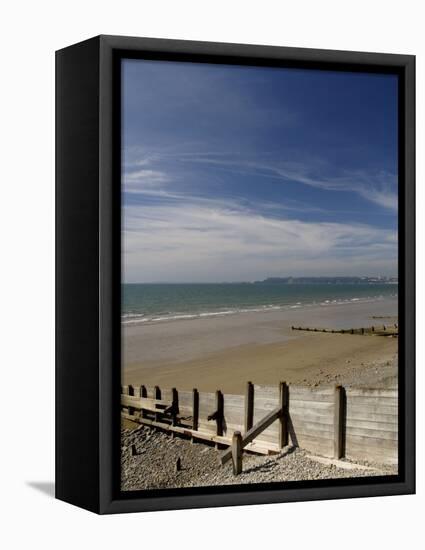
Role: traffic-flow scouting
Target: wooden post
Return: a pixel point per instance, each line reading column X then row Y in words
column 143, row 393
column 130, row 392
column 283, row 420
column 249, row 406
column 220, row 409
column 175, row 405
column 338, row 422
column 237, row 453
column 195, row 411
column 157, row 395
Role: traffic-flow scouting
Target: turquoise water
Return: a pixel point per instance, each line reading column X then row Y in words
column 148, row 303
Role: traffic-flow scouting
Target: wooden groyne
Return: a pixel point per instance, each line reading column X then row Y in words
column 335, row 422
column 383, row 330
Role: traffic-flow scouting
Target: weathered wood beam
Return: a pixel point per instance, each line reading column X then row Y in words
column 338, row 421
column 249, row 406
column 175, row 406
column 195, row 409
column 253, row 432
column 283, row 420
column 237, row 453
column 142, row 402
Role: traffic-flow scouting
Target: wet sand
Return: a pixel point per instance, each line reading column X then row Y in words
column 225, row 352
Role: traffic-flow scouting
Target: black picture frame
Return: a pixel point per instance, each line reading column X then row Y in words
column 88, row 273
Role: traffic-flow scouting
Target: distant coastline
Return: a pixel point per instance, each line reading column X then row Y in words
column 329, row 280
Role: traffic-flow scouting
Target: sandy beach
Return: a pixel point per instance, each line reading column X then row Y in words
column 225, row 352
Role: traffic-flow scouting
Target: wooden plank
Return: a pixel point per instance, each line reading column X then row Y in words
column 268, row 449
column 360, row 392
column 325, row 414
column 384, row 455
column 143, row 393
column 324, row 430
column 125, row 391
column 338, row 421
column 367, row 450
column 266, row 390
column 157, row 395
column 360, row 416
column 185, row 403
column 311, row 418
column 254, row 432
column 372, row 425
column 314, row 392
column 373, row 401
column 381, row 454
column 266, row 399
column 265, row 404
column 167, row 394
column 372, row 434
column 135, row 390
column 356, row 408
column 234, row 414
column 249, row 406
column 302, row 404
column 149, row 391
column 310, row 397
column 140, row 402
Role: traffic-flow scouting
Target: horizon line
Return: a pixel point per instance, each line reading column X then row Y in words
column 261, row 280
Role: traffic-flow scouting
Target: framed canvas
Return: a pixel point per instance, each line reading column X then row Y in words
column 235, row 274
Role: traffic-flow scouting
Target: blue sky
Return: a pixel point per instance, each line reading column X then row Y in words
column 241, row 173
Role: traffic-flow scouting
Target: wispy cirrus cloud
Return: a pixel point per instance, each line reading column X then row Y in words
column 377, row 187
column 212, row 241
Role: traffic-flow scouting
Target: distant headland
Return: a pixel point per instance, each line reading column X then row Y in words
column 328, row 280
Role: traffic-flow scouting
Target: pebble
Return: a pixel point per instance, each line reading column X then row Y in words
column 154, row 466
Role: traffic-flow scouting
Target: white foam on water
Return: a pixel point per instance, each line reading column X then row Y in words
column 142, row 318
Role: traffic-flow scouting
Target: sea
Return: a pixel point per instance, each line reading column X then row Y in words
column 156, row 303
